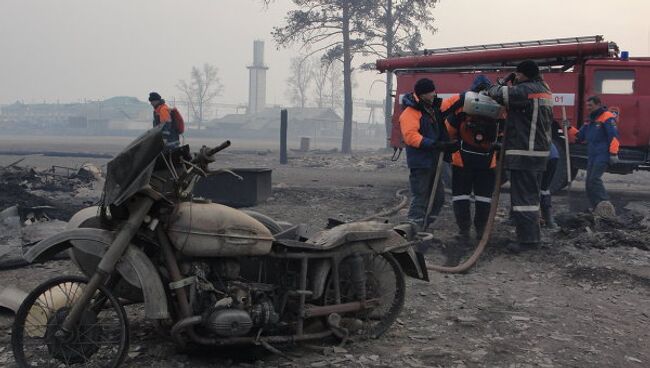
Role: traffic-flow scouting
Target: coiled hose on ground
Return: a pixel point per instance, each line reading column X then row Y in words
column 485, row 237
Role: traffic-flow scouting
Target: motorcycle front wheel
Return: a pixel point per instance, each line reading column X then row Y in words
column 384, row 282
column 100, row 339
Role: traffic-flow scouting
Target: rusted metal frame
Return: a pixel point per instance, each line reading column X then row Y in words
column 304, row 265
column 174, row 272
column 335, row 279
column 318, row 311
column 181, row 295
column 337, row 252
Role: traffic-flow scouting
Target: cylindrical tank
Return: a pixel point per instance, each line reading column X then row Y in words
column 479, row 104
column 214, row 230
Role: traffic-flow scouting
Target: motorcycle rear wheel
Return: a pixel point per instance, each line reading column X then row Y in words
column 100, row 339
column 385, row 282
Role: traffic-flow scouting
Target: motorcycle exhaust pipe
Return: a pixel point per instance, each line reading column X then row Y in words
column 183, row 325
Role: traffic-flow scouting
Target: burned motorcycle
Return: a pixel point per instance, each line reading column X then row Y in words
column 207, row 274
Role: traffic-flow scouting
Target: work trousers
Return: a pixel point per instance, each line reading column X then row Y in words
column 421, row 181
column 547, row 177
column 524, row 199
column 594, row 186
column 466, row 181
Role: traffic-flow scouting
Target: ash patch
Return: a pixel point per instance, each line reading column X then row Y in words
column 314, row 205
column 607, row 275
column 584, row 230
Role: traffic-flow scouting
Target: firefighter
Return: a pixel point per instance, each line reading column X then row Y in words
column 162, row 115
column 527, row 145
column 473, row 163
column 601, row 136
column 424, row 134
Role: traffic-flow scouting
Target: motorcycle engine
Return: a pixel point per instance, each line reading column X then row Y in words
column 229, row 305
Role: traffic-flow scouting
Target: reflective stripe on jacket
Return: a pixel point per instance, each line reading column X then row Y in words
column 530, row 115
column 601, row 135
column 420, row 131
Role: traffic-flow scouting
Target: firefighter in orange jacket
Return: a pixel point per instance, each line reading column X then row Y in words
column 473, row 163
column 162, row 115
column 424, row 133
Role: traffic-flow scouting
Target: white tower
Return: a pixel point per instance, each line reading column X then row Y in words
column 257, row 82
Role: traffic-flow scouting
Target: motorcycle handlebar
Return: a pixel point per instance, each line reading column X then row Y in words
column 218, row 148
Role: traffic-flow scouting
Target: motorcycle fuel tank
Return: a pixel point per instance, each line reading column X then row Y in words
column 214, row 230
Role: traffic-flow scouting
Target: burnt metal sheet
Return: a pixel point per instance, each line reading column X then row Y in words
column 131, row 169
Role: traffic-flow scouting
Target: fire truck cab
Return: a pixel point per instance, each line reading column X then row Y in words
column 575, row 68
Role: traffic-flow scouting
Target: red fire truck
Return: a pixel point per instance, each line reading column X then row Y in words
column 575, row 68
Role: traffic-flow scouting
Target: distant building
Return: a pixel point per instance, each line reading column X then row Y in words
column 310, row 122
column 92, row 115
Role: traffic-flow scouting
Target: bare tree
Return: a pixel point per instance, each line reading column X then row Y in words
column 203, row 87
column 320, row 72
column 335, row 27
column 300, row 80
column 395, row 27
column 328, row 83
column 335, row 91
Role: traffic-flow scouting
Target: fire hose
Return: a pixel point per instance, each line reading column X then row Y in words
column 404, row 200
column 485, row 237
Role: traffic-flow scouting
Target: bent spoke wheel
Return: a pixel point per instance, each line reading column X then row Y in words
column 100, row 339
column 384, row 283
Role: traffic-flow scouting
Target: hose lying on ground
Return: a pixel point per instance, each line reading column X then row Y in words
column 390, row 211
column 485, row 238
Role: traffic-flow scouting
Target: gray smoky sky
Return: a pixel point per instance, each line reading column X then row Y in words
column 70, row 50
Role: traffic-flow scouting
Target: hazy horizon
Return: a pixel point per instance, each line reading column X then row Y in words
column 70, row 50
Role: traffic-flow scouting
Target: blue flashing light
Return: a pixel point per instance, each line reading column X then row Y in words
column 625, row 55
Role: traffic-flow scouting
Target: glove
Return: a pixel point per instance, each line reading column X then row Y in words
column 504, row 81
column 613, row 159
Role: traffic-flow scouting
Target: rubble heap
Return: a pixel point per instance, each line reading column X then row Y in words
column 35, row 204
column 583, row 230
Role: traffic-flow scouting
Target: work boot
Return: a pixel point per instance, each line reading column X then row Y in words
column 518, row 247
column 547, row 217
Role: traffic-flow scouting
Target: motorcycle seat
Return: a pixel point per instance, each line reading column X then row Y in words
column 342, row 234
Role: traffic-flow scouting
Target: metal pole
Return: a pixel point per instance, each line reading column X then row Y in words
column 567, row 153
column 283, row 136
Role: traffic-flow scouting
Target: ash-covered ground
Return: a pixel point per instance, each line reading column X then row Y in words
column 583, row 300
